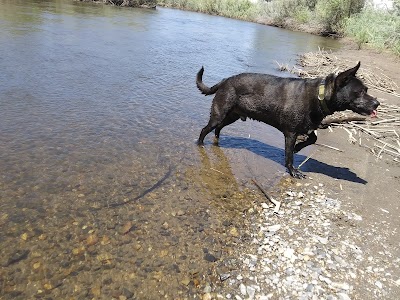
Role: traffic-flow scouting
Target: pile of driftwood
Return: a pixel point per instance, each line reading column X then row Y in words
column 382, row 134
column 322, row 63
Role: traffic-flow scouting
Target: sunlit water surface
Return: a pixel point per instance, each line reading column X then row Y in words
column 103, row 191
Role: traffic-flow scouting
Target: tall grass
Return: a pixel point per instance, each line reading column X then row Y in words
column 379, row 29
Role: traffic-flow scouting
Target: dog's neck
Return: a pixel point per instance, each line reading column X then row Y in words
column 324, row 97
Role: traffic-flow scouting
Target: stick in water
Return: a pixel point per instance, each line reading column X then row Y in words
column 273, row 201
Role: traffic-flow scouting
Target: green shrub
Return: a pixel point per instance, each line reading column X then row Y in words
column 238, row 9
column 332, row 13
column 303, row 15
column 377, row 28
column 280, row 10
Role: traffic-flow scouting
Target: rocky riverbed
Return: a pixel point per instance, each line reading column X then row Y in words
column 312, row 248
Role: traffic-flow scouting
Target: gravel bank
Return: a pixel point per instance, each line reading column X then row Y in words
column 313, row 248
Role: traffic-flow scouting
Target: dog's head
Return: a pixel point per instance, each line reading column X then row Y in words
column 351, row 93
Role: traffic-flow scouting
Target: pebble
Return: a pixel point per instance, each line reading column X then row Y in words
column 243, row 289
column 224, row 277
column 251, row 291
column 207, row 289
column 234, row 232
column 343, row 296
column 274, row 228
column 379, row 284
column 264, row 205
column 210, row 258
column 288, row 253
column 206, row 296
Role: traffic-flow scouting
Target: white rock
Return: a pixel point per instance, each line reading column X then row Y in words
column 325, row 279
column 274, row 228
column 379, row 284
column 288, row 253
column 343, row 296
column 243, row 289
column 267, row 297
column 341, row 286
column 322, row 240
column 251, row 291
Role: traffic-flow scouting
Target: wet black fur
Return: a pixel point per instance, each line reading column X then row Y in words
column 288, row 104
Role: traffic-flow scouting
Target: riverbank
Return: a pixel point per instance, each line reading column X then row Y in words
column 335, row 235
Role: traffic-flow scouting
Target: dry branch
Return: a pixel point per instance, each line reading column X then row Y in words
column 272, row 200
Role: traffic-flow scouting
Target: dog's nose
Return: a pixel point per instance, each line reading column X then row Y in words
column 376, row 103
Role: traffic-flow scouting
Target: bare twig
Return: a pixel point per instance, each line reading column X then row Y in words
column 272, row 200
column 330, row 147
column 308, row 157
column 384, row 121
column 364, row 129
column 217, row 171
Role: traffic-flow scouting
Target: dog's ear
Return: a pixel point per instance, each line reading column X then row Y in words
column 343, row 77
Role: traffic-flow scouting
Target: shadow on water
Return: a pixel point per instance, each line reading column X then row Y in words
column 277, row 155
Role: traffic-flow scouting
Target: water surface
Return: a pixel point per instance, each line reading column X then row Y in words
column 102, row 190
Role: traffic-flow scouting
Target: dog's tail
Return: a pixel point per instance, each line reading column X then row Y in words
column 202, row 87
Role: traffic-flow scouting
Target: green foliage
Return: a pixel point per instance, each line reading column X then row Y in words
column 238, row 9
column 281, row 10
column 377, row 28
column 396, row 7
column 302, row 15
column 332, row 13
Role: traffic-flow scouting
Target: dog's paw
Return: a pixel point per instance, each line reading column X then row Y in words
column 297, row 174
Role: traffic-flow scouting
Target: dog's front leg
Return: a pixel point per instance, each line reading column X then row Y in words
column 290, row 140
column 311, row 139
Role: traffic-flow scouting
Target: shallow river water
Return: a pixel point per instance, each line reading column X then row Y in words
column 103, row 192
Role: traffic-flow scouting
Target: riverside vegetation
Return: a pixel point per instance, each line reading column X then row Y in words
column 379, row 29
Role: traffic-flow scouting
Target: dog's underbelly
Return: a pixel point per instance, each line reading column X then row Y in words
column 264, row 116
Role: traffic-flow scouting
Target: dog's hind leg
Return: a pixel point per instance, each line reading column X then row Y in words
column 221, row 106
column 290, row 140
column 229, row 119
column 206, row 130
column 311, row 139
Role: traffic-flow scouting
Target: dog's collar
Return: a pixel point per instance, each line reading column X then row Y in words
column 322, row 99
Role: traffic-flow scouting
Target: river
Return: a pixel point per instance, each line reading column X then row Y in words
column 103, row 192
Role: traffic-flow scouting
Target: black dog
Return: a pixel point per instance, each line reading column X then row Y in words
column 294, row 106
